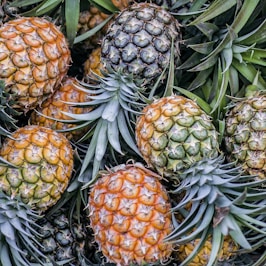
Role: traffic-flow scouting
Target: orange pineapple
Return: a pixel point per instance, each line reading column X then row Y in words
column 88, row 20
column 93, row 63
column 34, row 58
column 44, row 161
column 130, row 216
column 51, row 115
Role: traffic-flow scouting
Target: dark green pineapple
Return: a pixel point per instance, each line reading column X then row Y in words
column 63, row 239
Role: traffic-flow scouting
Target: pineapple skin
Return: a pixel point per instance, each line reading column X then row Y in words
column 139, row 42
column 173, row 133
column 130, row 216
column 93, row 63
column 44, row 164
column 245, row 135
column 121, row 4
column 34, row 58
column 56, row 104
column 62, row 238
column 88, row 19
column 227, row 251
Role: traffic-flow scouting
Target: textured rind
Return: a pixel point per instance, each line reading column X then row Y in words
column 139, row 42
column 202, row 258
column 34, row 58
column 130, row 216
column 173, row 133
column 55, row 106
column 245, row 135
column 44, row 164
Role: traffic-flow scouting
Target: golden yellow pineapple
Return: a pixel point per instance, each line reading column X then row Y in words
column 34, row 58
column 130, row 216
column 227, row 251
column 121, row 4
column 88, row 20
column 93, row 63
column 43, row 161
column 60, row 101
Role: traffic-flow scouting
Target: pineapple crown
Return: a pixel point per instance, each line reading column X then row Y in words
column 116, row 100
column 17, row 222
column 222, row 201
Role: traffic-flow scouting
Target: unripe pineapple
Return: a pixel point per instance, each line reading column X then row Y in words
column 245, row 135
column 130, row 216
column 173, row 133
column 62, row 237
column 34, row 58
column 60, row 102
column 43, row 161
column 139, row 42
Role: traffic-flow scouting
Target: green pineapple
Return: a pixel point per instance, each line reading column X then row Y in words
column 63, row 237
column 173, row 132
column 245, row 134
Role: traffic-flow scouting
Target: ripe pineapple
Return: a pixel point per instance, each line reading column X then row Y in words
column 139, row 42
column 93, row 63
column 51, row 113
column 121, row 4
column 173, row 132
column 43, row 163
column 34, row 59
column 201, row 251
column 88, row 20
column 130, row 216
column 245, row 135
column 227, row 251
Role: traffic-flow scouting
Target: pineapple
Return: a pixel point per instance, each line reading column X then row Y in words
column 167, row 4
column 88, row 20
column 173, row 132
column 62, row 239
column 93, row 63
column 139, row 42
column 130, row 216
column 228, row 251
column 51, row 113
column 245, row 134
column 41, row 166
column 34, row 58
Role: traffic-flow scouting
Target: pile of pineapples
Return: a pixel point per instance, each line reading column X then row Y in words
column 133, row 132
